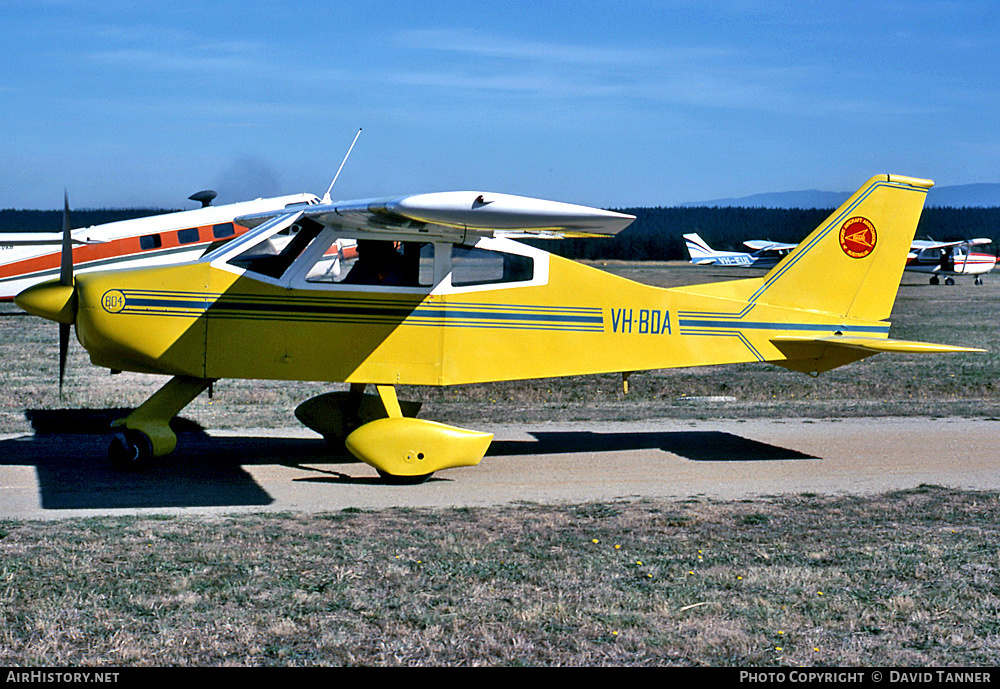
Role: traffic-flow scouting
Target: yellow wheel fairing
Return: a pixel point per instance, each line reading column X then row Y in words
column 405, row 446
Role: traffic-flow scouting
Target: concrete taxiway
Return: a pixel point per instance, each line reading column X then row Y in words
column 46, row 476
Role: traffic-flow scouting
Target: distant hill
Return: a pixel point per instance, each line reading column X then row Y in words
column 985, row 195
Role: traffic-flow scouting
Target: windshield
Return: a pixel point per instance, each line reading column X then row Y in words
column 274, row 253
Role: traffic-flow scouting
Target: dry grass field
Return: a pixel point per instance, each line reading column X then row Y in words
column 904, row 579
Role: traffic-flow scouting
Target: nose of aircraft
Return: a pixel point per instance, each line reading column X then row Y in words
column 52, row 300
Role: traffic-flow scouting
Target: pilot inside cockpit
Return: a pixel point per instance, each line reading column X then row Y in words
column 381, row 263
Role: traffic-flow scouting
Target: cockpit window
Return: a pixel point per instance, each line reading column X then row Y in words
column 273, row 255
column 375, row 263
column 474, row 266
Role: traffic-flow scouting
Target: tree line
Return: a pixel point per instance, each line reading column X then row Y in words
column 656, row 234
column 14, row 220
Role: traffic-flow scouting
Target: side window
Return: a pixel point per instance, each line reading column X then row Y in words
column 472, row 266
column 375, row 263
column 150, row 241
column 188, row 236
column 223, row 230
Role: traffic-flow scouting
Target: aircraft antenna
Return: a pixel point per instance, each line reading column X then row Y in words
column 326, row 196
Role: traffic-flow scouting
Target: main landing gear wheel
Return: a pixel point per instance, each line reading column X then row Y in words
column 949, row 281
column 978, row 281
column 935, row 281
column 394, row 480
column 130, row 450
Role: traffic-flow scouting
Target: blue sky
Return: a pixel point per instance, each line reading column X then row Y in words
column 629, row 103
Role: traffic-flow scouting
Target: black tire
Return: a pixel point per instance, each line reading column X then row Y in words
column 336, row 445
column 394, row 480
column 131, row 451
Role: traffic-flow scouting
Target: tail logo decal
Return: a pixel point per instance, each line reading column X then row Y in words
column 858, row 237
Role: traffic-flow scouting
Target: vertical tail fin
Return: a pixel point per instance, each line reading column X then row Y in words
column 851, row 264
column 697, row 248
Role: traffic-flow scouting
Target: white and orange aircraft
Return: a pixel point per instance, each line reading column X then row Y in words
column 27, row 258
column 951, row 259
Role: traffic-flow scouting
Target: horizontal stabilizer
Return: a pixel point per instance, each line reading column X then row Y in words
column 819, row 354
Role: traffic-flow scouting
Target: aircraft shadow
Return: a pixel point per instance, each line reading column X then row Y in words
column 73, row 472
column 69, row 453
column 697, row 446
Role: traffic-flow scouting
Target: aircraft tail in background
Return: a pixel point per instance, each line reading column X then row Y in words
column 703, row 255
column 698, row 250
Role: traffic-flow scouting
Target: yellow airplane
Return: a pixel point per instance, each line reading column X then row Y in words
column 441, row 294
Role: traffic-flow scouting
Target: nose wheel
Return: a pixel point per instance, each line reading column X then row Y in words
column 130, row 450
column 146, row 433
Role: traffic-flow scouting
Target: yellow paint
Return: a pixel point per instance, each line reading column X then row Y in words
column 335, row 414
column 209, row 323
column 51, row 299
column 414, row 447
column 152, row 418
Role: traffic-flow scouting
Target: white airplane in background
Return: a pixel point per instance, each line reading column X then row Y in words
column 925, row 256
column 27, row 258
column 950, row 258
column 766, row 254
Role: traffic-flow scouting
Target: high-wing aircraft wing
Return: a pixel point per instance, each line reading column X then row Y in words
column 461, row 216
column 921, row 244
column 767, row 245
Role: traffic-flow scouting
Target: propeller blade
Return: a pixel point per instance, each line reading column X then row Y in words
column 63, row 350
column 66, row 263
column 65, row 278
